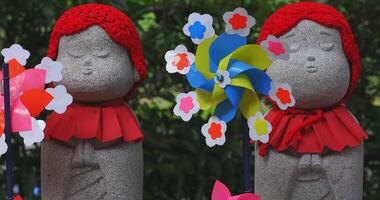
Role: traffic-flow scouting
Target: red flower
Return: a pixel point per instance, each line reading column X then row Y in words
column 181, row 61
column 238, row 21
column 283, row 95
column 215, row 130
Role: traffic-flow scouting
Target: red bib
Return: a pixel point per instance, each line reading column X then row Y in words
column 105, row 122
column 312, row 131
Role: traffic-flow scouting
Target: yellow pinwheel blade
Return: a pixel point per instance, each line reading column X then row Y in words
column 251, row 54
column 204, row 99
column 242, row 81
column 250, row 104
column 202, row 58
column 217, row 95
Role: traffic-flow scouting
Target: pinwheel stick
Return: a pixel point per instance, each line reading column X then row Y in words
column 7, row 131
column 246, row 162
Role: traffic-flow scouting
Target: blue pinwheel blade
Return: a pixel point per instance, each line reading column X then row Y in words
column 223, row 46
column 226, row 111
column 197, row 80
column 259, row 79
column 234, row 94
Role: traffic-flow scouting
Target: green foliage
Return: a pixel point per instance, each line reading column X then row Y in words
column 178, row 165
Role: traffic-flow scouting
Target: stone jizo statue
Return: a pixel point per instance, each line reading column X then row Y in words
column 315, row 150
column 94, row 150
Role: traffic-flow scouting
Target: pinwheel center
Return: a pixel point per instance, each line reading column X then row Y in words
column 219, row 78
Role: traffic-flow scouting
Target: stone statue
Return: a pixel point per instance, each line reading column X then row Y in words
column 324, row 158
column 94, row 150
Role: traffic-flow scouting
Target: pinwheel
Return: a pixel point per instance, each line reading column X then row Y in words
column 227, row 74
column 221, row 192
column 24, row 98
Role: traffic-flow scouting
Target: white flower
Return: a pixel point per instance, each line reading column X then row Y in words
column 15, row 52
column 3, row 145
column 259, row 128
column 275, row 48
column 199, row 27
column 222, row 78
column 238, row 22
column 179, row 60
column 53, row 69
column 61, row 99
column 282, row 95
column 214, row 131
column 36, row 134
column 187, row 105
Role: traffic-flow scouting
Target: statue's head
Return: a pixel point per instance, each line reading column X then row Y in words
column 101, row 53
column 324, row 65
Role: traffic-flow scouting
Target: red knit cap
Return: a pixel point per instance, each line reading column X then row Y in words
column 115, row 23
column 285, row 18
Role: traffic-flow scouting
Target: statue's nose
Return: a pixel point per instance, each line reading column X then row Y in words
column 84, row 155
column 310, row 58
column 87, row 62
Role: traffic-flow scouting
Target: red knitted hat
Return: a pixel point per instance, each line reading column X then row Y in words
column 115, row 23
column 285, row 18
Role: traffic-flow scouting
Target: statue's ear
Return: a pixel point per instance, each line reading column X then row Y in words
column 136, row 75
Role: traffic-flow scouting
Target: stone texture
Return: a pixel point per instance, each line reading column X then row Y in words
column 319, row 76
column 95, row 69
column 292, row 176
column 318, row 72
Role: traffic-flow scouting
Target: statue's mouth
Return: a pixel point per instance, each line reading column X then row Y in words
column 310, row 174
column 311, row 69
column 87, row 71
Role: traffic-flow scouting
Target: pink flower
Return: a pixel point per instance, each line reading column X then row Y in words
column 187, row 105
column 275, row 48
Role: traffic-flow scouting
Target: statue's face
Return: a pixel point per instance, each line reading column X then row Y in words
column 318, row 70
column 95, row 68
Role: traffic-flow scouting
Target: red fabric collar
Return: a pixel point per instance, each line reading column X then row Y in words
column 311, row 131
column 105, row 122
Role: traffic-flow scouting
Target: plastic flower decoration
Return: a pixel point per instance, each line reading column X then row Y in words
column 238, row 22
column 28, row 97
column 214, row 131
column 199, row 27
column 282, row 95
column 275, row 48
column 179, row 60
column 259, row 128
column 187, row 105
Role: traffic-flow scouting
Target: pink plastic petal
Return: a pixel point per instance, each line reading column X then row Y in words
column 21, row 119
column 220, row 191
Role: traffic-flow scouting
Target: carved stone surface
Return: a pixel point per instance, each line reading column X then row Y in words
column 95, row 69
column 291, row 176
column 319, row 74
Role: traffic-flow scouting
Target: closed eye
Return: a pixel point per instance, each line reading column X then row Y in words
column 102, row 54
column 327, row 46
column 75, row 54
